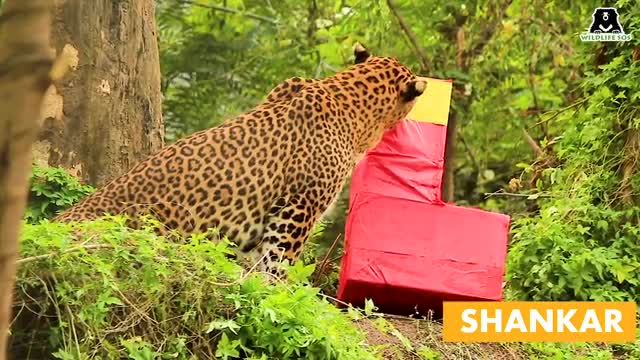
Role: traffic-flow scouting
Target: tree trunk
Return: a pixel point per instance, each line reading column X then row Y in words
column 105, row 114
column 448, row 178
column 25, row 62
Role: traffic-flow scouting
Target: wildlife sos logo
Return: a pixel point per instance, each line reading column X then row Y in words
column 605, row 26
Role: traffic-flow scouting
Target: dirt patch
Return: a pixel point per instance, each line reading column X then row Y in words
column 425, row 342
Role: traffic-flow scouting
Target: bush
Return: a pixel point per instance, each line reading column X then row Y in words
column 583, row 244
column 100, row 290
column 575, row 251
column 51, row 190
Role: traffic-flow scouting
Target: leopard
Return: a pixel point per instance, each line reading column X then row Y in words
column 265, row 177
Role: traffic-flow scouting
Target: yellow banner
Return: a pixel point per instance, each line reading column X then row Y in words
column 433, row 105
column 570, row 321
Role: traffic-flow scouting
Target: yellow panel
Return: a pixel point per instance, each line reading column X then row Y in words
column 433, row 105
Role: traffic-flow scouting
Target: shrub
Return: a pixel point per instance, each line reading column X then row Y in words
column 51, row 190
column 583, row 244
column 575, row 251
column 101, row 290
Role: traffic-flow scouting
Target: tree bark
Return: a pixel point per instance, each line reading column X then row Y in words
column 448, row 176
column 25, row 63
column 105, row 114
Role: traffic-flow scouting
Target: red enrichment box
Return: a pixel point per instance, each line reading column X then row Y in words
column 405, row 249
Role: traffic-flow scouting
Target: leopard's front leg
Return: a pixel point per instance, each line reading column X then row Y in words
column 287, row 231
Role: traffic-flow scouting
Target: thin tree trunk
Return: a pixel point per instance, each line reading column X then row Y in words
column 448, row 178
column 25, row 62
column 105, row 115
column 465, row 55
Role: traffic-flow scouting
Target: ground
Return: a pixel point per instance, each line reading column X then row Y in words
column 428, row 334
column 425, row 342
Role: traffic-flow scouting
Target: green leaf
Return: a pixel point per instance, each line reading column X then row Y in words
column 428, row 354
column 226, row 348
column 602, row 224
column 353, row 313
column 369, row 307
column 300, row 273
column 403, row 339
column 489, row 174
column 113, row 301
column 223, row 325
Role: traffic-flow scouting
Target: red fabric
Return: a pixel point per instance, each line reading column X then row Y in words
column 404, row 248
column 407, row 163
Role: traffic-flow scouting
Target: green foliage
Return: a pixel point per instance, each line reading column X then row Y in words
column 110, row 292
column 99, row 290
column 524, row 72
column 518, row 66
column 429, row 354
column 219, row 58
column 291, row 322
column 576, row 251
column 583, row 244
column 52, row 190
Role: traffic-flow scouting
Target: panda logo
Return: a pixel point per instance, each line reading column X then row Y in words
column 605, row 21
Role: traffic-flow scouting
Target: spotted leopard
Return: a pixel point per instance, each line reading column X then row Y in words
column 265, row 177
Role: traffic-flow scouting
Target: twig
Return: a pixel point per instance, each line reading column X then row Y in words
column 460, row 41
column 325, row 260
column 422, row 54
column 558, row 112
column 109, row 246
column 318, row 71
column 502, row 193
column 464, row 59
column 631, row 158
column 534, row 145
column 75, row 248
column 534, row 94
column 230, row 11
column 72, row 326
column 373, row 313
column 468, row 150
column 134, row 307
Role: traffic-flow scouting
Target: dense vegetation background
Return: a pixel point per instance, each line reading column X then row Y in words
column 546, row 125
column 546, row 130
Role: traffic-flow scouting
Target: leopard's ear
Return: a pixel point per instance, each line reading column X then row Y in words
column 414, row 89
column 360, row 53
